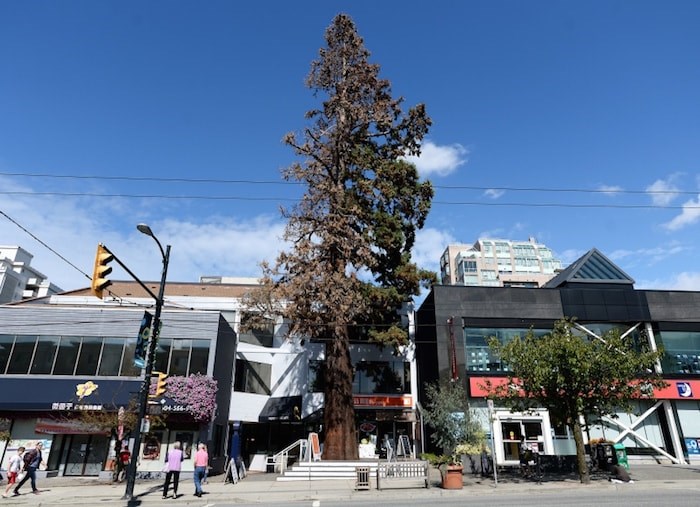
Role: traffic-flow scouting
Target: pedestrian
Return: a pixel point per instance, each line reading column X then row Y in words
column 13, row 468
column 32, row 459
column 201, row 461
column 205, row 479
column 174, row 460
column 123, row 461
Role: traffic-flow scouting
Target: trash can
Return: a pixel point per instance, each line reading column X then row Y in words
column 621, row 455
column 605, row 456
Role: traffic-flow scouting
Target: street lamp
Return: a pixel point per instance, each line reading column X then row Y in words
column 150, row 358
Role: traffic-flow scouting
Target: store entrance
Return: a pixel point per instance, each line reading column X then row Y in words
column 511, row 430
column 86, row 454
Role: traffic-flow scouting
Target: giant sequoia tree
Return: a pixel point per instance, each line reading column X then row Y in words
column 349, row 264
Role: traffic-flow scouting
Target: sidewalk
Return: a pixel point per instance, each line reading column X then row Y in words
column 264, row 489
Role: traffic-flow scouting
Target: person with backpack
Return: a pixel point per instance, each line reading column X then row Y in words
column 32, row 459
column 13, row 469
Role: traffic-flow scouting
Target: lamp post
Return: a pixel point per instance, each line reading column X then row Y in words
column 150, row 358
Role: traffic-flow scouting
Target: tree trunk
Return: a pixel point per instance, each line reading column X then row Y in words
column 580, row 452
column 339, row 412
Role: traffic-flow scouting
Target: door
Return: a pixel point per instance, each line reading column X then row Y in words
column 86, row 455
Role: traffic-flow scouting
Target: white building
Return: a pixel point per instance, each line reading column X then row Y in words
column 19, row 280
column 498, row 263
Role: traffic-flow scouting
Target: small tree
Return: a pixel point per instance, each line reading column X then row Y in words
column 453, row 422
column 576, row 378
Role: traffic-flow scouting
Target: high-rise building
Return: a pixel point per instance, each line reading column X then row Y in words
column 498, row 263
column 18, row 280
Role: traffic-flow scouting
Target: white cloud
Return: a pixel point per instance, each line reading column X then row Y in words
column 610, row 189
column 663, row 192
column 650, row 256
column 686, row 280
column 494, row 193
column 689, row 215
column 569, row 256
column 73, row 227
column 439, row 160
column 430, row 244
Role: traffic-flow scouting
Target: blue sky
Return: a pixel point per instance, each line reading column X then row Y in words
column 577, row 123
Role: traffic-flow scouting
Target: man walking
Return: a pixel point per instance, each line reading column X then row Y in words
column 201, row 461
column 32, row 460
column 14, row 468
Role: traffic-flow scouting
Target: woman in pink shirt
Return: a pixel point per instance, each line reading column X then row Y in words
column 201, row 461
column 174, row 459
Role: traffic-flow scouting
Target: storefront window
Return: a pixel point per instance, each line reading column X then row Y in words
column 478, row 353
column 162, row 355
column 44, row 355
column 67, row 355
column 6, row 341
column 381, row 377
column 681, row 351
column 89, row 356
column 22, row 354
column 180, row 357
column 111, row 356
column 128, row 369
column 199, row 359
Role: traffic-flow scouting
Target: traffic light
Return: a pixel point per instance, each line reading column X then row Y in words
column 99, row 280
column 159, row 386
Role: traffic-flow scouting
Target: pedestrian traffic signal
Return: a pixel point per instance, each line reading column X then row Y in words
column 99, row 280
column 159, row 388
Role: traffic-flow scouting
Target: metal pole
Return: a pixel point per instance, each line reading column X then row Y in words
column 143, row 394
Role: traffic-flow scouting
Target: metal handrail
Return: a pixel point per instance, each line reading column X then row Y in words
column 282, row 457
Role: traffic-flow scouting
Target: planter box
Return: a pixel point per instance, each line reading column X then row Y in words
column 452, row 477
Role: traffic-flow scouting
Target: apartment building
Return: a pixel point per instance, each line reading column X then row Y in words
column 498, row 263
column 18, row 279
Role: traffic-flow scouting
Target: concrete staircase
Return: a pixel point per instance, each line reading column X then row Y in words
column 327, row 470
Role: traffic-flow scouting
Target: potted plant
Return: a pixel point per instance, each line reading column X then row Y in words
column 453, row 423
column 476, row 457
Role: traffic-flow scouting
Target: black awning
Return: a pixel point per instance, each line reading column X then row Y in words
column 287, row 408
column 71, row 394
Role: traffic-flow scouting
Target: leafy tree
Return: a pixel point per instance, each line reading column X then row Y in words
column 349, row 267
column 576, row 378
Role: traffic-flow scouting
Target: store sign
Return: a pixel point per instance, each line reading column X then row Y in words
column 676, row 389
column 77, row 407
column 693, row 446
column 175, row 408
column 362, row 400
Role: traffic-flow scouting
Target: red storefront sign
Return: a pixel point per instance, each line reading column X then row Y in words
column 677, row 389
column 368, row 400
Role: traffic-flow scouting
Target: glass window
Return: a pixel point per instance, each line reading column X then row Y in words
column 162, row 355
column 380, row 377
column 45, row 354
column 89, row 356
column 67, row 355
column 21, row 355
column 128, row 368
column 252, row 377
column 257, row 336
column 6, row 342
column 180, row 357
column 199, row 360
column 478, row 353
column 111, row 356
column 316, row 376
column 681, row 351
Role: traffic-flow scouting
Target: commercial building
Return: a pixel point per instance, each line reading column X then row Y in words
column 498, row 263
column 71, row 354
column 455, row 323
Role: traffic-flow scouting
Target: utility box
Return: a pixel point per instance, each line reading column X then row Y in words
column 621, row 455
